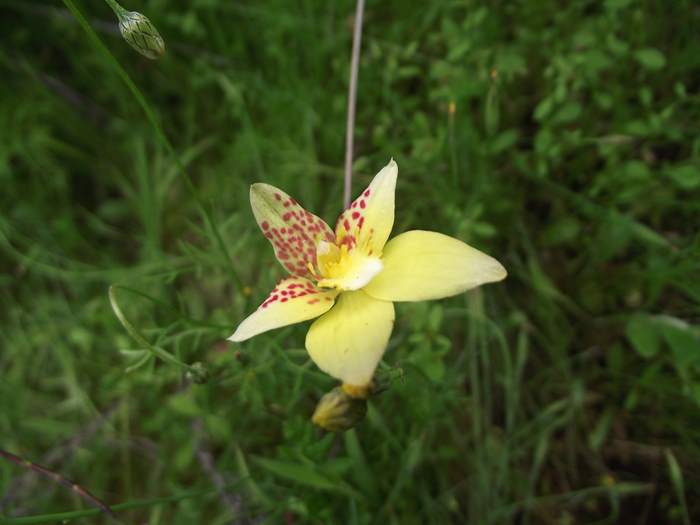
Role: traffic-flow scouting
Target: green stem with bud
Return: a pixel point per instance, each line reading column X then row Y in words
column 150, row 115
column 118, row 10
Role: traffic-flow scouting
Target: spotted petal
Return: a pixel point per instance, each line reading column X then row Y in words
column 291, row 229
column 293, row 300
column 368, row 221
column 348, row 341
column 420, row 265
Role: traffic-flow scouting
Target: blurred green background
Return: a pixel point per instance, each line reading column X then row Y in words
column 559, row 137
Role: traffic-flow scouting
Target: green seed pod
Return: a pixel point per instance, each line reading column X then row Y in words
column 141, row 34
column 337, row 411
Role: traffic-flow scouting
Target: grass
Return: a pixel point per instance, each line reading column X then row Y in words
column 561, row 139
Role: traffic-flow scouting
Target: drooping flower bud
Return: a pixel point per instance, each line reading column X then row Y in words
column 141, row 34
column 337, row 411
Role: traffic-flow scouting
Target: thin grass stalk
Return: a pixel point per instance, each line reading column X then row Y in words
column 58, row 478
column 352, row 99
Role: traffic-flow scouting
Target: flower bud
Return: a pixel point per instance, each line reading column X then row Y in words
column 198, row 373
column 337, row 411
column 141, row 34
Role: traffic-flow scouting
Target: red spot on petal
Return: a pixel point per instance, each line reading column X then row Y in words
column 278, row 196
column 265, row 225
column 362, row 204
column 284, row 300
column 286, row 216
column 361, row 222
column 366, row 194
column 355, row 214
column 268, row 235
column 346, row 225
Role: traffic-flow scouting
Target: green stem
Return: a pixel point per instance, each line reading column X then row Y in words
column 118, row 10
column 150, row 115
column 140, row 339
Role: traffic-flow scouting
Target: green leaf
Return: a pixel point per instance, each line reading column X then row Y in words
column 686, row 177
column 504, row 141
column 651, row 58
column 568, row 113
column 644, row 336
column 614, row 5
column 684, row 343
column 565, row 229
column 543, row 109
column 304, row 475
column 184, row 403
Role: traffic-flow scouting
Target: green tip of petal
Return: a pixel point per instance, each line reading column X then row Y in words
column 499, row 272
column 235, row 338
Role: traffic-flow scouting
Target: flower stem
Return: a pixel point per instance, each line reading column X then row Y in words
column 352, row 97
column 115, row 7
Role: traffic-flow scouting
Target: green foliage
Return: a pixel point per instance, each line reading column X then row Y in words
column 561, row 137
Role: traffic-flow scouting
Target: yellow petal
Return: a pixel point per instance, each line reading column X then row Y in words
column 292, row 231
column 368, row 221
column 420, row 265
column 293, row 300
column 349, row 340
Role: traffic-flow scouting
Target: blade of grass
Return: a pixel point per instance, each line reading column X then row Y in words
column 676, row 475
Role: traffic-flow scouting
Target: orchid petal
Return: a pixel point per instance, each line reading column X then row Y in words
column 348, row 341
column 367, row 223
column 292, row 231
column 420, row 265
column 293, row 300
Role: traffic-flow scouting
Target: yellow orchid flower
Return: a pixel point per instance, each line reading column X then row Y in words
column 350, row 278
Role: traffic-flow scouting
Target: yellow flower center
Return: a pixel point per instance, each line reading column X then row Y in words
column 345, row 268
